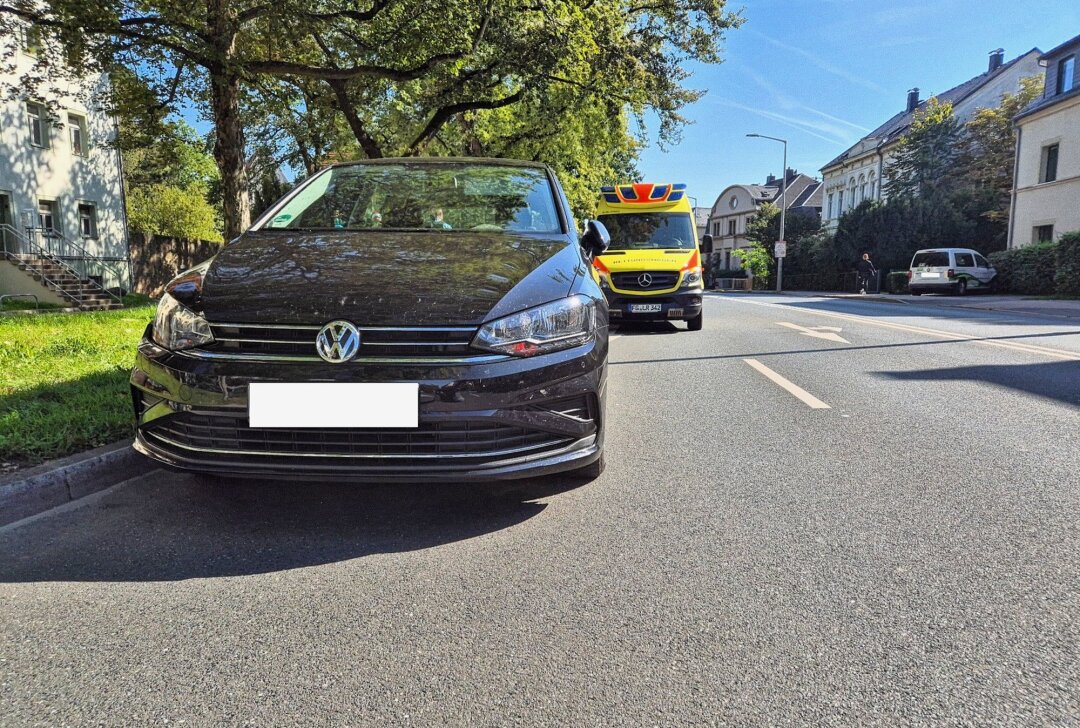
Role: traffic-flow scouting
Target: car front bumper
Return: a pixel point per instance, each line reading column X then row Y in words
column 495, row 418
column 673, row 306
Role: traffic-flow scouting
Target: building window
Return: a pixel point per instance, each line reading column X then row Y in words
column 730, row 227
column 1049, row 163
column 31, row 40
column 828, row 209
column 733, row 202
column 1043, row 234
column 87, row 220
column 39, row 125
column 77, row 127
column 48, row 217
column 839, row 203
column 1066, row 75
column 873, row 187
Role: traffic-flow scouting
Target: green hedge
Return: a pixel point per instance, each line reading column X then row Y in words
column 1067, row 276
column 1029, row 270
column 896, row 281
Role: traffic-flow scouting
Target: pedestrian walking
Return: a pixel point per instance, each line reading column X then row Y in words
column 867, row 272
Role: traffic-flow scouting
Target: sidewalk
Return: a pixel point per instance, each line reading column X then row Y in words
column 1069, row 309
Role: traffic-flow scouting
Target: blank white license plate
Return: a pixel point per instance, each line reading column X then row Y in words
column 928, row 274
column 645, row 308
column 333, row 404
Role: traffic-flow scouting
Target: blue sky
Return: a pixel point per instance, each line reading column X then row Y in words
column 821, row 73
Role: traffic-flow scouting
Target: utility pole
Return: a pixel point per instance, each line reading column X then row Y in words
column 783, row 209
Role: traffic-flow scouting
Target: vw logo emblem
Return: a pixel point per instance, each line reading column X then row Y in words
column 644, row 280
column 338, row 342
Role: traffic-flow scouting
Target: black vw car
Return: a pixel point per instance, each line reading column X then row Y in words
column 401, row 319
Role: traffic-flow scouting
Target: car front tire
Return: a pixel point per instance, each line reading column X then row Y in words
column 696, row 323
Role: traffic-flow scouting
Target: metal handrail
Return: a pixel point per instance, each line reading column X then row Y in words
column 45, row 252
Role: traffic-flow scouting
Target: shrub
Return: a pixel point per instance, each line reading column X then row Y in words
column 896, row 281
column 173, row 212
column 1028, row 270
column 1067, row 276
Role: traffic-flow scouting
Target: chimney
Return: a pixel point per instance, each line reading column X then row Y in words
column 997, row 60
column 912, row 99
column 771, row 179
column 791, row 175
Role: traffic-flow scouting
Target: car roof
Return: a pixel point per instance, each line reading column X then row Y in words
column 492, row 161
column 946, row 250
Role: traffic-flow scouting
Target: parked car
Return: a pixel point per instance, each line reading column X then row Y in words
column 949, row 270
column 398, row 319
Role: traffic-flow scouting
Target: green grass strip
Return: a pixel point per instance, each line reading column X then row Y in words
column 63, row 381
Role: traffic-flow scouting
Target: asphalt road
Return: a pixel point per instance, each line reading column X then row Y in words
column 878, row 523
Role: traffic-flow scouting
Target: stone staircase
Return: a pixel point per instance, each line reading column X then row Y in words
column 65, row 282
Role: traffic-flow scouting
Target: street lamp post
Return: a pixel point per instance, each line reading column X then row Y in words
column 783, row 207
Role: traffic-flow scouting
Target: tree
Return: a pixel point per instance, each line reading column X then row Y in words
column 924, row 160
column 160, row 209
column 764, row 229
column 987, row 150
column 399, row 72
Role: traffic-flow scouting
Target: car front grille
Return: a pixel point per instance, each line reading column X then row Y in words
column 298, row 341
column 660, row 280
column 217, row 435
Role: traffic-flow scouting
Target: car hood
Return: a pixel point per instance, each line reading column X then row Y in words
column 640, row 260
column 384, row 278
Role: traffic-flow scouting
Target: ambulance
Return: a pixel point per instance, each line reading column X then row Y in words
column 652, row 269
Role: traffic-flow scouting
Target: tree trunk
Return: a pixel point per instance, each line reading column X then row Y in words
column 229, row 153
column 228, row 128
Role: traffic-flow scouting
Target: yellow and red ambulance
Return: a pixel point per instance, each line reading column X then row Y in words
column 652, row 269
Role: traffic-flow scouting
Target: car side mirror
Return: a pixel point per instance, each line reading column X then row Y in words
column 706, row 243
column 596, row 238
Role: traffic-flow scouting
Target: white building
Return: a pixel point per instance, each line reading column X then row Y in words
column 62, row 211
column 858, row 173
column 738, row 204
column 1046, row 186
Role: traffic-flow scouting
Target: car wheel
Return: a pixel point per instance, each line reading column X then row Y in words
column 696, row 323
column 961, row 287
column 592, row 471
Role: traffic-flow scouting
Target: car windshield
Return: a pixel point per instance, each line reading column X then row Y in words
column 649, row 230
column 930, row 259
column 425, row 196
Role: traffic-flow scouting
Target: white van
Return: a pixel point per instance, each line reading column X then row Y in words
column 949, row 270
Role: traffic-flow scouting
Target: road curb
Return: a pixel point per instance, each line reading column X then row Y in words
column 38, row 489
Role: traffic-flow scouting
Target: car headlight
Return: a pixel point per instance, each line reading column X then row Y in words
column 691, row 278
column 557, row 325
column 178, row 327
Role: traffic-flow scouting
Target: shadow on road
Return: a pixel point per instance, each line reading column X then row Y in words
column 169, row 526
column 1059, row 381
column 928, row 309
column 645, row 328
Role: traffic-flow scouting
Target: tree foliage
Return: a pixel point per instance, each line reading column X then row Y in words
column 924, row 159
column 161, row 209
column 987, row 150
column 764, row 230
column 402, row 76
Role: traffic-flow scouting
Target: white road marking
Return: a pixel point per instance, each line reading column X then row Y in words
column 805, row 397
column 1011, row 345
column 818, row 332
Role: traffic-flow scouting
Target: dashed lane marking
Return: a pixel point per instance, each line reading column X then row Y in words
column 801, row 394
